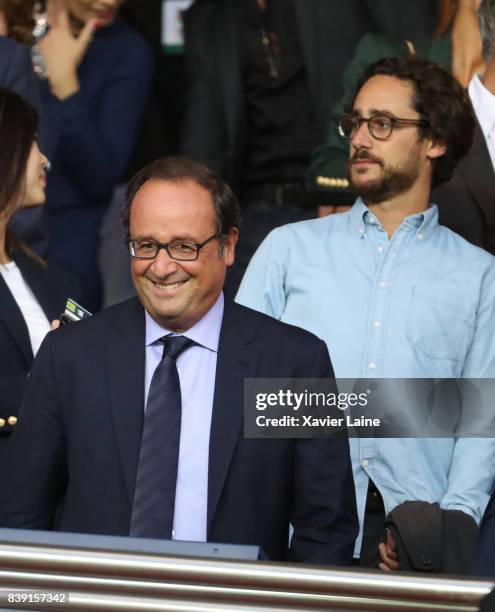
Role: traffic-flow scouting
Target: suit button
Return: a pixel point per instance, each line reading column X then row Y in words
column 2, row 422
column 12, row 420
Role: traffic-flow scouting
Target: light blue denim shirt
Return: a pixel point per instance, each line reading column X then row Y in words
column 420, row 305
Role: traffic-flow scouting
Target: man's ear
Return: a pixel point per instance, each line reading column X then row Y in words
column 435, row 150
column 228, row 246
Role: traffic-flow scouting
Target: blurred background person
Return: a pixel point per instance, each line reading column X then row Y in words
column 159, row 131
column 97, row 72
column 16, row 73
column 263, row 76
column 464, row 44
column 31, row 294
column 16, row 70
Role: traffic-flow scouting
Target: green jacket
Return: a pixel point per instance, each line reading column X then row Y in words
column 328, row 168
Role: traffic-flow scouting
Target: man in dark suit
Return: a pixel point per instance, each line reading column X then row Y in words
column 484, row 561
column 85, row 436
column 263, row 76
column 467, row 202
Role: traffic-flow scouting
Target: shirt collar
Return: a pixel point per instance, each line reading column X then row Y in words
column 206, row 332
column 362, row 219
column 484, row 105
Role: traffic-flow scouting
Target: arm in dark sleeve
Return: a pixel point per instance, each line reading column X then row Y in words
column 203, row 135
column 95, row 144
column 324, row 513
column 35, row 474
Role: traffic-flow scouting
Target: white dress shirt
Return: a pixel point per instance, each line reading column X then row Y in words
column 37, row 323
column 197, row 368
column 483, row 102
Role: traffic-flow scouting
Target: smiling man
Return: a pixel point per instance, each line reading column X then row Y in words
column 396, row 295
column 134, row 417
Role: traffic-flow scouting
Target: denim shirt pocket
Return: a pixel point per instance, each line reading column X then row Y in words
column 441, row 321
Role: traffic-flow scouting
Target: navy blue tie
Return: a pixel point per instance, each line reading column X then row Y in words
column 154, row 495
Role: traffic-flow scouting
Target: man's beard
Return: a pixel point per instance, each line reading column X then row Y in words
column 393, row 181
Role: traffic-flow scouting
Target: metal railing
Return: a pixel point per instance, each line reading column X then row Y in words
column 103, row 580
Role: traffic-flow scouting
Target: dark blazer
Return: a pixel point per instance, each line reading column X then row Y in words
column 431, row 539
column 466, row 204
column 80, row 432
column 484, row 561
column 214, row 127
column 51, row 288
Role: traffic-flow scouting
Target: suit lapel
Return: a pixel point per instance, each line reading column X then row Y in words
column 477, row 171
column 35, row 277
column 126, row 360
column 236, row 361
column 11, row 314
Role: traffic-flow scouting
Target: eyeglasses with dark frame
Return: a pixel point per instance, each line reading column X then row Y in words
column 180, row 250
column 379, row 126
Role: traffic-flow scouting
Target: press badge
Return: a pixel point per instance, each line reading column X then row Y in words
column 73, row 312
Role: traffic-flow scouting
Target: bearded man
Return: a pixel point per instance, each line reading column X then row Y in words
column 394, row 294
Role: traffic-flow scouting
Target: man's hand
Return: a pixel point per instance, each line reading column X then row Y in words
column 388, row 554
column 55, row 324
column 62, row 51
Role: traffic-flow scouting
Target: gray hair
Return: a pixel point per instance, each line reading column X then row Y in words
column 486, row 17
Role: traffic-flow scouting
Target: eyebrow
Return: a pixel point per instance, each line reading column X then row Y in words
column 375, row 112
column 175, row 239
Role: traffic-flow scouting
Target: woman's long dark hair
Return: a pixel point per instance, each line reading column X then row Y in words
column 18, row 121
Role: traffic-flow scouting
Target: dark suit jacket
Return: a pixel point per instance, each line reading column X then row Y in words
column 214, row 127
column 80, row 430
column 484, row 561
column 51, row 288
column 431, row 539
column 466, row 204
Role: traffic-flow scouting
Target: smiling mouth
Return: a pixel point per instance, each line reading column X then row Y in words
column 168, row 286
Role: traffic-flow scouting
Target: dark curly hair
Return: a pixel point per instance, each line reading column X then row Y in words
column 439, row 98
column 20, row 19
column 178, row 169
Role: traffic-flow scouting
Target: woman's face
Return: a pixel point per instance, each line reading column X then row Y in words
column 35, row 182
column 103, row 10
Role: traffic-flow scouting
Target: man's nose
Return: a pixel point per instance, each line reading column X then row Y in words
column 362, row 139
column 163, row 264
